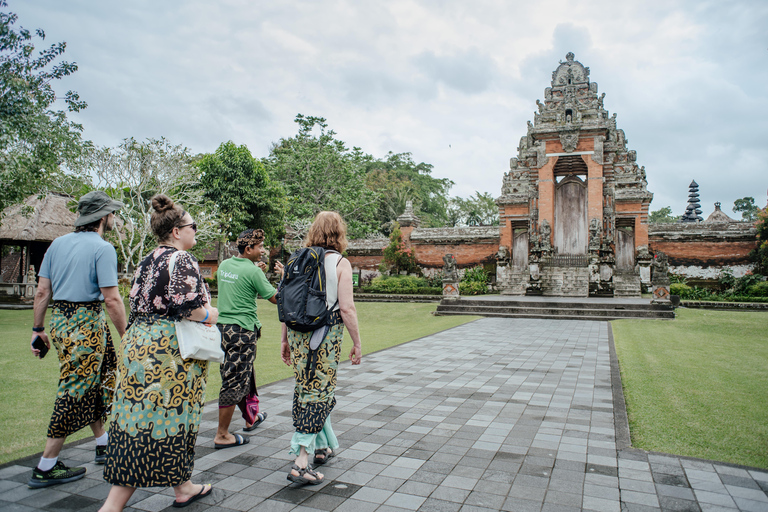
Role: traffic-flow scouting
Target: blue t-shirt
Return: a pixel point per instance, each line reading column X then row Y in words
column 78, row 264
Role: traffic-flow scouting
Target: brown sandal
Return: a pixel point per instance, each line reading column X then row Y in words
column 301, row 479
column 323, row 455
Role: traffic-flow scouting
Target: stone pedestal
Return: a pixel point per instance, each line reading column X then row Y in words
column 450, row 289
column 660, row 294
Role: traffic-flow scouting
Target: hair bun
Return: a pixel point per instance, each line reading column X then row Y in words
column 162, row 203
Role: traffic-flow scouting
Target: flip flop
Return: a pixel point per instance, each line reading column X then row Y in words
column 260, row 417
column 301, row 479
column 323, row 451
column 239, row 441
column 200, row 495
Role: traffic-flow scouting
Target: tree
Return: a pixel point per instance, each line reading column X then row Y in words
column 397, row 179
column 478, row 210
column 398, row 257
column 320, row 173
column 34, row 138
column 747, row 207
column 662, row 216
column 760, row 254
column 133, row 173
column 239, row 188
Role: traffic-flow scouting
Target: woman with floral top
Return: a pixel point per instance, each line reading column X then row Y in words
column 159, row 396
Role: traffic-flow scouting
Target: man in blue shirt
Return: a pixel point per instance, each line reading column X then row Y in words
column 80, row 271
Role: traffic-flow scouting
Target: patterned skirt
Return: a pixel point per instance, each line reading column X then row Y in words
column 237, row 378
column 157, row 409
column 314, row 394
column 80, row 333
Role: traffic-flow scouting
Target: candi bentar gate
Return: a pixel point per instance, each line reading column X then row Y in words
column 574, row 204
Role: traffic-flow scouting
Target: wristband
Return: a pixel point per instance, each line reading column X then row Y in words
column 206, row 316
column 38, row 329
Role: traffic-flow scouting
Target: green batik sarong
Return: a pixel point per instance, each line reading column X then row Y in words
column 87, row 364
column 157, row 409
column 314, row 394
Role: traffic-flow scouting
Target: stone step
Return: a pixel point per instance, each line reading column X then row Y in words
column 557, row 317
column 545, row 309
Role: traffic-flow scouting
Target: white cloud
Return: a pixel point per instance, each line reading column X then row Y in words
column 452, row 82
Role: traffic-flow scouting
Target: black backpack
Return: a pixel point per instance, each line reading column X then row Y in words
column 301, row 297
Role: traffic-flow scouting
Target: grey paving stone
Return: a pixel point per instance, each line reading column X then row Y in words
column 435, row 505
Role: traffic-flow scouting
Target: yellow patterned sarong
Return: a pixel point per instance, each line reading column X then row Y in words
column 80, row 333
column 157, row 409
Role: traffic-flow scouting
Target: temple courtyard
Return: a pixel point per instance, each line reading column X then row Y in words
column 496, row 414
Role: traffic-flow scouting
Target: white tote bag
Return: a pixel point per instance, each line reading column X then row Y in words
column 197, row 340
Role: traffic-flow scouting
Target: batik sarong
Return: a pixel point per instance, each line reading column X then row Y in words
column 237, row 377
column 80, row 333
column 314, row 394
column 157, row 409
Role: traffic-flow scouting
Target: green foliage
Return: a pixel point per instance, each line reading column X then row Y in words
column 34, row 139
column 397, row 257
column 478, row 210
column 760, row 255
column 320, row 173
column 739, row 285
column 475, row 275
column 240, row 189
column 472, row 288
column 124, row 287
column 758, row 289
column 676, row 278
column 397, row 179
column 662, row 216
column 747, row 207
column 402, row 285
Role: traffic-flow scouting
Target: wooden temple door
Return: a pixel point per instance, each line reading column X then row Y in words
column 520, row 248
column 571, row 227
column 625, row 248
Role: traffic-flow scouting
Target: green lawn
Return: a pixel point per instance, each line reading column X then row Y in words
column 28, row 385
column 698, row 385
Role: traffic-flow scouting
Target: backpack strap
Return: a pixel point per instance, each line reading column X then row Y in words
column 332, row 281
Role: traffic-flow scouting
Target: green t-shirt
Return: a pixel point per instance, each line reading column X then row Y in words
column 240, row 281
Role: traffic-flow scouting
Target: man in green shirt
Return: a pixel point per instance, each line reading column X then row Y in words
column 241, row 280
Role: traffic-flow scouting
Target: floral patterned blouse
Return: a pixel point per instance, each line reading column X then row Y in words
column 155, row 292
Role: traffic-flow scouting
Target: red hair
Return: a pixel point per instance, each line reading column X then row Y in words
column 328, row 231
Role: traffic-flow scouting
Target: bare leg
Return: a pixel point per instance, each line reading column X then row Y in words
column 222, row 433
column 98, row 428
column 118, row 497
column 187, row 490
column 53, row 446
column 302, row 461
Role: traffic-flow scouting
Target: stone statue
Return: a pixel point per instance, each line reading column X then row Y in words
column 595, row 234
column 449, row 268
column 546, row 236
column 503, row 256
column 660, row 268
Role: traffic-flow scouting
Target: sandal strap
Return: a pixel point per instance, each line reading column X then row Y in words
column 305, row 471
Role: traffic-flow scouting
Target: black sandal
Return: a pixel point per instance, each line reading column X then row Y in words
column 301, row 479
column 328, row 454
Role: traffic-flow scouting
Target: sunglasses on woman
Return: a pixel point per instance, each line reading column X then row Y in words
column 193, row 225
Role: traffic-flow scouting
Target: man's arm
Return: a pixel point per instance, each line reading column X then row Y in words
column 42, row 298
column 115, row 307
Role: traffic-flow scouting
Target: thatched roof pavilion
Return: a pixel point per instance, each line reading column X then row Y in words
column 32, row 225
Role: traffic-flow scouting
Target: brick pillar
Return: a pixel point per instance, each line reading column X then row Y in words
column 406, row 231
column 594, row 188
column 547, row 191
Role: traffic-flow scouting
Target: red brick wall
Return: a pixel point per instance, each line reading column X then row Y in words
column 705, row 253
column 467, row 255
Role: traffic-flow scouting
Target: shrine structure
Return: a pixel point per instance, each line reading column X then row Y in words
column 574, row 204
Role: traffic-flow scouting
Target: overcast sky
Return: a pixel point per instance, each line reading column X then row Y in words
column 452, row 82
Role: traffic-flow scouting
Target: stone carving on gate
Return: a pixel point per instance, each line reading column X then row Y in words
column 569, row 140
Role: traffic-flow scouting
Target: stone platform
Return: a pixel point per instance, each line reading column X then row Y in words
column 496, row 414
column 566, row 308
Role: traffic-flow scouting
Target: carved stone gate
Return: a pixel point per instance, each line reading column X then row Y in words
column 574, row 204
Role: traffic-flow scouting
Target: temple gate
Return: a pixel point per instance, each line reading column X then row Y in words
column 574, row 204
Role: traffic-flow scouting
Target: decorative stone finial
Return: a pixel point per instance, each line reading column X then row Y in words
column 408, row 218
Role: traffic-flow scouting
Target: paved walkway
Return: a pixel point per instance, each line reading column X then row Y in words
column 497, row 414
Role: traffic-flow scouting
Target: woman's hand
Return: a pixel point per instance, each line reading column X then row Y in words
column 356, row 354
column 285, row 352
column 279, row 268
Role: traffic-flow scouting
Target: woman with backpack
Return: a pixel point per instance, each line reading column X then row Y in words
column 315, row 365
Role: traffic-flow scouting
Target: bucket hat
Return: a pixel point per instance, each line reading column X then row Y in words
column 95, row 205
